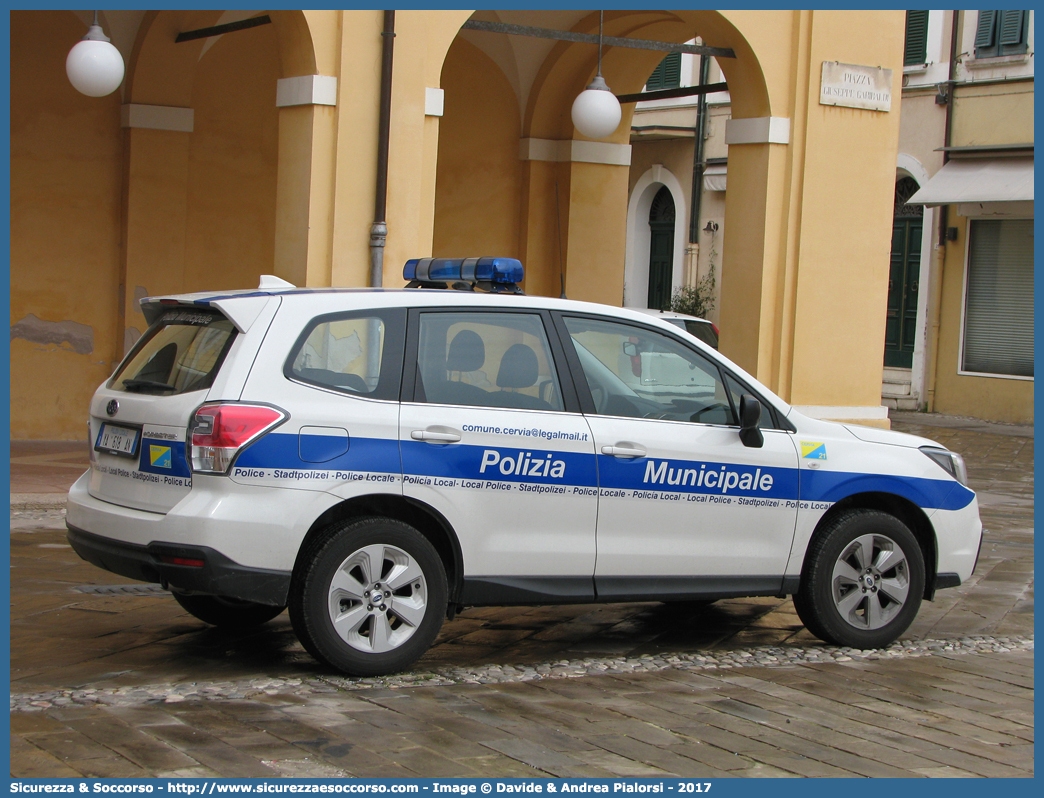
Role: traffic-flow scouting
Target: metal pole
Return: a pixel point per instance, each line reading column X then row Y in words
column 379, row 230
column 939, row 253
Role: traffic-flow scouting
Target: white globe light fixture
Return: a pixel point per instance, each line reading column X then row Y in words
column 596, row 111
column 94, row 66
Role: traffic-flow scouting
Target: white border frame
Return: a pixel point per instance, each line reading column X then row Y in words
column 636, row 254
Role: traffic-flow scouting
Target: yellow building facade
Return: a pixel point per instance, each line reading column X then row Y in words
column 253, row 151
column 967, row 141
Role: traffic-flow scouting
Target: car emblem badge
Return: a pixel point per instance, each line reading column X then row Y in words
column 112, row 407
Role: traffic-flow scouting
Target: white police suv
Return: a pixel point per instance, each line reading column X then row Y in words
column 377, row 459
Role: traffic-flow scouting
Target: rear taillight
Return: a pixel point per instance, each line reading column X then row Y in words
column 221, row 431
column 715, row 328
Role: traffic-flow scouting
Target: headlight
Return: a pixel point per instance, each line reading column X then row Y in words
column 951, row 462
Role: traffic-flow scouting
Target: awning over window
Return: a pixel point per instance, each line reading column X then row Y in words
column 978, row 180
column 714, row 177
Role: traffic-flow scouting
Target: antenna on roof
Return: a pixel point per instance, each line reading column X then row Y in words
column 270, row 281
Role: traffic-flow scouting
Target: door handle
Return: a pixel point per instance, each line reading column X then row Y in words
column 435, row 437
column 623, row 451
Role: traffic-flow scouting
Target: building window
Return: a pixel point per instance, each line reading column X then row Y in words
column 998, row 314
column 916, row 52
column 667, row 75
column 1001, row 32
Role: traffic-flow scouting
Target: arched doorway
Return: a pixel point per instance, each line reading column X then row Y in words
column 661, row 249
column 903, row 277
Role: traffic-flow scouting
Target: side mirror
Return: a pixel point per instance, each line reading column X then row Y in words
column 750, row 415
column 630, row 348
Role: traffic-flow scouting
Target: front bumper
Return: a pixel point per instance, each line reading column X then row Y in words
column 958, row 535
column 165, row 563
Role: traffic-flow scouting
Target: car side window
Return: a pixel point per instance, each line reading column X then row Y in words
column 736, row 391
column 487, row 360
column 358, row 353
column 640, row 373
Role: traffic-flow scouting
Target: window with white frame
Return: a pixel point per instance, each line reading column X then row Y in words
column 998, row 310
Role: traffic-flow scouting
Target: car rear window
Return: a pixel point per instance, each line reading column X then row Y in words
column 181, row 352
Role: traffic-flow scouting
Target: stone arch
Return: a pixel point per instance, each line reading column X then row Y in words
column 296, row 48
column 565, row 194
column 908, row 166
column 478, row 177
column 161, row 71
column 636, row 264
column 569, row 67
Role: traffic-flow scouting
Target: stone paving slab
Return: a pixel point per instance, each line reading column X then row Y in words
column 747, row 721
column 757, row 721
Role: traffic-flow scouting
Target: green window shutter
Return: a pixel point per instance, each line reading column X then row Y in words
column 985, row 34
column 667, row 75
column 655, row 80
column 1013, row 32
column 916, row 38
column 672, row 71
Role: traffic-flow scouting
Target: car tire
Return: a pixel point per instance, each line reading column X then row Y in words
column 863, row 580
column 369, row 596
column 226, row 612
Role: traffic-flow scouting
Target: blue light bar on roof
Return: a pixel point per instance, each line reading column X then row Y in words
column 499, row 271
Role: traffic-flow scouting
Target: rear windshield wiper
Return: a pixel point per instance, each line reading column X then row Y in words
column 142, row 385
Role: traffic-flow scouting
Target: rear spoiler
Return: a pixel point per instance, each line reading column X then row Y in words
column 241, row 308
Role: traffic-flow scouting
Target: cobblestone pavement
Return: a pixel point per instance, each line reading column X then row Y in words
column 111, row 678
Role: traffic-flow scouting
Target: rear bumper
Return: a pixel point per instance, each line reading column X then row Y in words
column 260, row 528
column 218, row 575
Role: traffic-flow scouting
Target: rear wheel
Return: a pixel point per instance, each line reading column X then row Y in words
column 863, row 581
column 368, row 598
column 227, row 612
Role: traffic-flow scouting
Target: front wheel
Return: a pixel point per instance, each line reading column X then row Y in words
column 226, row 612
column 369, row 596
column 863, row 581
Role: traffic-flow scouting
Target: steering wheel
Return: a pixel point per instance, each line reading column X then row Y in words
column 546, row 391
column 707, row 409
column 600, row 397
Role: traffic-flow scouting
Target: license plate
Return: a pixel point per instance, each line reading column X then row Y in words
column 117, row 440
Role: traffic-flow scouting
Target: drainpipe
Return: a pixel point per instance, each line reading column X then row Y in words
column 379, row 230
column 697, row 155
column 939, row 254
column 693, row 250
